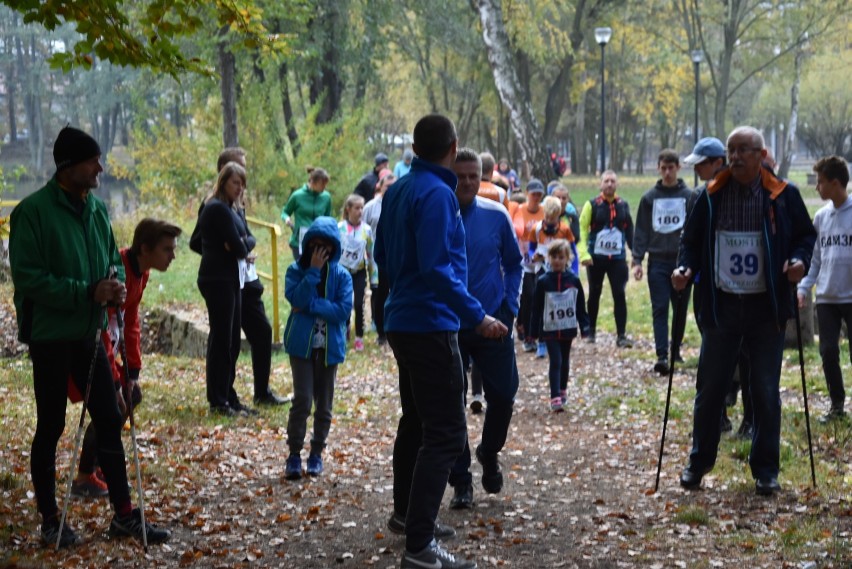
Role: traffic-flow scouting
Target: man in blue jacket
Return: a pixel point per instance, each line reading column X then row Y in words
column 750, row 236
column 421, row 247
column 494, row 279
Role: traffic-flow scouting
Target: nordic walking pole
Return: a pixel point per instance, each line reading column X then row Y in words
column 78, row 438
column 128, row 397
column 804, row 385
column 675, row 320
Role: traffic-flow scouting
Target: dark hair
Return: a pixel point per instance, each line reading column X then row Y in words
column 487, row 163
column 149, row 231
column 668, row 156
column 230, row 154
column 434, row 135
column 318, row 174
column 833, row 168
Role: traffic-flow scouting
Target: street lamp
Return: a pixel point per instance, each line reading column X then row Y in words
column 602, row 36
column 697, row 57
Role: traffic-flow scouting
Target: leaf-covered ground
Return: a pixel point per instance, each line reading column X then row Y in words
column 578, row 489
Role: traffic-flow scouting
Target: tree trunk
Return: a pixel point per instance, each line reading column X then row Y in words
column 790, row 143
column 287, row 108
column 579, row 151
column 328, row 31
column 506, row 80
column 228, row 71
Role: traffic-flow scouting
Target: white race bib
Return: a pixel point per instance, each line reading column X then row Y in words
column 352, row 252
column 669, row 214
column 609, row 242
column 251, row 272
column 242, row 270
column 302, row 232
column 560, row 310
column 740, row 262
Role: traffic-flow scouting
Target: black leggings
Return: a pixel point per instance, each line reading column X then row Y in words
column 223, row 299
column 377, row 303
column 52, row 364
column 616, row 271
column 359, row 287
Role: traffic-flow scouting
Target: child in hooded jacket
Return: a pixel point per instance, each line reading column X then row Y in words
column 319, row 291
column 558, row 312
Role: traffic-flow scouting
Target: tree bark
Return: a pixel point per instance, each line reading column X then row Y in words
column 790, row 143
column 227, row 71
column 328, row 30
column 287, row 108
column 506, row 79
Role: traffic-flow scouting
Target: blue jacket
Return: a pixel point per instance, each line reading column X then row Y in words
column 420, row 246
column 788, row 233
column 300, row 289
column 494, row 269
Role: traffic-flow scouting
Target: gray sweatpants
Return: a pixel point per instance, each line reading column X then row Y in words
column 312, row 382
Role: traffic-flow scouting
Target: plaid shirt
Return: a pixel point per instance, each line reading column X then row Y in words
column 741, row 207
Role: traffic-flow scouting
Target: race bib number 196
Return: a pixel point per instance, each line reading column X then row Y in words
column 560, row 310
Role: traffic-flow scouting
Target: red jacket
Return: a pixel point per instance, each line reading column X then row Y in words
column 135, row 282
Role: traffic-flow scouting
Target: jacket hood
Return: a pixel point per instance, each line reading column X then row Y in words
column 325, row 227
column 770, row 182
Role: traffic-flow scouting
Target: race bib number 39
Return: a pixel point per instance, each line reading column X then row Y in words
column 560, row 310
column 669, row 214
column 739, row 262
column 609, row 241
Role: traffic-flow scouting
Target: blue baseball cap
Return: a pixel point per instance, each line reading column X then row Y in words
column 535, row 185
column 706, row 148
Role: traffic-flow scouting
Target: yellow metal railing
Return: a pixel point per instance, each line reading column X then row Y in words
column 274, row 234
column 4, row 219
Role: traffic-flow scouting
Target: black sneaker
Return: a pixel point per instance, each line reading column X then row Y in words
column 434, row 556
column 725, row 424
column 462, row 497
column 662, row 366
column 745, row 431
column 492, row 478
column 624, row 342
column 834, row 414
column 223, row 410
column 132, row 526
column 50, row 534
column 270, row 399
column 396, row 524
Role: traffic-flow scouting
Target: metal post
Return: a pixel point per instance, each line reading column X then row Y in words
column 697, row 57
column 602, row 36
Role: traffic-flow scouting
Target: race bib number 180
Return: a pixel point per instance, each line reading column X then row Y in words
column 560, row 310
column 739, row 262
column 669, row 214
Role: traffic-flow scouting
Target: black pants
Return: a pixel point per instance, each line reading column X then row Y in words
column 258, row 332
column 831, row 317
column 53, row 362
column 525, row 310
column 359, row 288
column 616, row 271
column 432, row 430
column 223, row 301
column 377, row 303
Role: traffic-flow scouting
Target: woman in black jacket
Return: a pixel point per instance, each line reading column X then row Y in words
column 221, row 276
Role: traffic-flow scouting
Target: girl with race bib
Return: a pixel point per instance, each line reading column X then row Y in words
column 559, row 311
column 356, row 255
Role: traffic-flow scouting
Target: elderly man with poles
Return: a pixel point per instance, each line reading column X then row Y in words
column 60, row 249
column 751, row 238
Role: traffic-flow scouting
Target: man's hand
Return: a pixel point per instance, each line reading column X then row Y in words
column 637, row 271
column 587, row 263
column 319, row 257
column 795, row 270
column 492, row 328
column 119, row 398
column 680, row 278
column 110, row 291
column 251, row 258
column 801, row 299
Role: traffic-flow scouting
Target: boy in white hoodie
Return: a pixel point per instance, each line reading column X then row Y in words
column 831, row 271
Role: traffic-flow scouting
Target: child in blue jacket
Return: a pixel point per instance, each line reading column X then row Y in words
column 559, row 310
column 319, row 291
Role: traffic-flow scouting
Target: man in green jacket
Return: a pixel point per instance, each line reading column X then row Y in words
column 304, row 206
column 61, row 247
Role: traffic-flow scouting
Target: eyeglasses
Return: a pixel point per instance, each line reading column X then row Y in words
column 742, row 150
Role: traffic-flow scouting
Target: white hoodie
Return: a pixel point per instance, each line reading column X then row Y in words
column 831, row 265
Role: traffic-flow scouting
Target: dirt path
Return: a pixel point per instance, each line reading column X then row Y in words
column 577, row 491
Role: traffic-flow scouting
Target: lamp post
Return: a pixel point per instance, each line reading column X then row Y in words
column 602, row 36
column 697, row 57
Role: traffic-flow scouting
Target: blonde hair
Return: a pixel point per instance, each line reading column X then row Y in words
column 228, row 170
column 552, row 206
column 350, row 201
column 559, row 246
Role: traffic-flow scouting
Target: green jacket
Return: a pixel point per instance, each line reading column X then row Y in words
column 57, row 256
column 305, row 205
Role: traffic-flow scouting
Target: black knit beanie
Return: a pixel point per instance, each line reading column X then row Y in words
column 73, row 146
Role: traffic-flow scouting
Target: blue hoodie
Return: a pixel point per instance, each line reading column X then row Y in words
column 334, row 306
column 420, row 245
